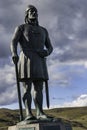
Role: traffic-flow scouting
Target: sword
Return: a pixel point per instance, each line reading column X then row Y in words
column 19, row 93
column 47, row 93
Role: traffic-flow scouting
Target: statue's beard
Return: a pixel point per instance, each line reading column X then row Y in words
column 33, row 21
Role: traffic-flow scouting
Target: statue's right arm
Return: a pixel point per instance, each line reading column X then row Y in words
column 14, row 43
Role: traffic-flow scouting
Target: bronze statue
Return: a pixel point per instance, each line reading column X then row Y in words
column 35, row 46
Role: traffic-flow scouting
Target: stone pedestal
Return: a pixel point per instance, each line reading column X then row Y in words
column 41, row 126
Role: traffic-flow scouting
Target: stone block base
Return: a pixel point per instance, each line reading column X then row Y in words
column 41, row 126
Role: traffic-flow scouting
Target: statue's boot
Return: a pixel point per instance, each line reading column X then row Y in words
column 43, row 116
column 38, row 100
column 27, row 102
column 30, row 117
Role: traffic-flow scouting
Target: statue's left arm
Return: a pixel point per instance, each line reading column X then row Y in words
column 48, row 44
column 45, row 52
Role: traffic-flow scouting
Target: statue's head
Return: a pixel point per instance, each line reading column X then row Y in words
column 31, row 14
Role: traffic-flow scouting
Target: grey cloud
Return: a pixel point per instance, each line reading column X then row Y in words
column 60, row 19
column 8, row 91
column 4, row 62
column 9, row 3
column 4, row 42
column 70, row 28
column 8, row 97
column 10, row 14
column 9, row 18
column 76, row 52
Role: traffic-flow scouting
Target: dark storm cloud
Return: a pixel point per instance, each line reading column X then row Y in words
column 9, row 18
column 68, row 29
column 65, row 21
column 9, row 13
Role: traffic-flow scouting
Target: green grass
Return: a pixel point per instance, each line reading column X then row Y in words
column 77, row 117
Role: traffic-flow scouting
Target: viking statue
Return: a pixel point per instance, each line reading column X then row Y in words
column 35, row 46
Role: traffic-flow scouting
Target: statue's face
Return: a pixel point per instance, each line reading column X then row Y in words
column 32, row 14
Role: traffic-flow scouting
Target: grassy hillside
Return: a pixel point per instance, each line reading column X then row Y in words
column 76, row 116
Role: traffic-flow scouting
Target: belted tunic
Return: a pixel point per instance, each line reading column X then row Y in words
column 31, row 39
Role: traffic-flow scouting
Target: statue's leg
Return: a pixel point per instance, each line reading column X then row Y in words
column 38, row 98
column 27, row 99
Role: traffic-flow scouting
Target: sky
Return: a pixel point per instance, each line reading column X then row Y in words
column 66, row 22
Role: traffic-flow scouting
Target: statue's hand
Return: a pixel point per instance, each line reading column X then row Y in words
column 42, row 53
column 15, row 59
